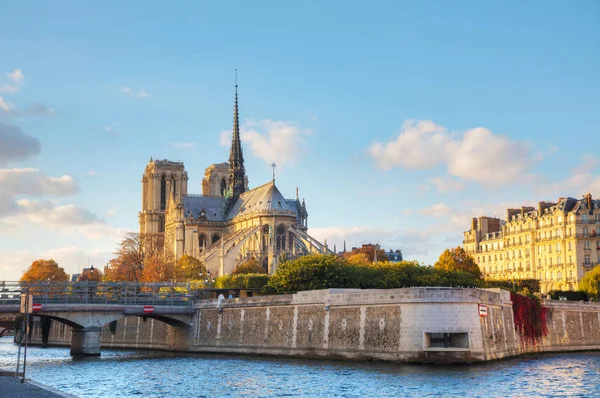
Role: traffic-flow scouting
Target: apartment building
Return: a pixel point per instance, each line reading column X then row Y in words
column 555, row 242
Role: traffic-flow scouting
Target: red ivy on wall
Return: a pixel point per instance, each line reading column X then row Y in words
column 530, row 317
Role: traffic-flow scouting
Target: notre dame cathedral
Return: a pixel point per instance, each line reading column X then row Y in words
column 228, row 223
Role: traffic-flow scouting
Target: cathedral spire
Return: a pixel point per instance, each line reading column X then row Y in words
column 237, row 172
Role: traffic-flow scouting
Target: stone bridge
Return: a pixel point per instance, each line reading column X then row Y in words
column 86, row 308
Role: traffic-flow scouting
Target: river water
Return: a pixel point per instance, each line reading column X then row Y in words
column 126, row 373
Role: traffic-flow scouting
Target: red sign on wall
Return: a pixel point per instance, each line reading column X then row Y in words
column 483, row 310
column 36, row 307
column 148, row 308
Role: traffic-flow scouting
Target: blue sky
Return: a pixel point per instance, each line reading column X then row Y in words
column 398, row 121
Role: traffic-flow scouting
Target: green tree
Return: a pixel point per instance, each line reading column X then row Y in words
column 189, row 268
column 457, row 260
column 250, row 266
column 591, row 281
column 315, row 271
column 358, row 259
column 45, row 271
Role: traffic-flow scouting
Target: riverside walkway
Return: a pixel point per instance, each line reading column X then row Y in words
column 11, row 386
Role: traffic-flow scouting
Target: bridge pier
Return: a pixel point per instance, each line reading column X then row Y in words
column 85, row 341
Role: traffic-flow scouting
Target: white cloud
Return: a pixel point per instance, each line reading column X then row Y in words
column 272, row 141
column 5, row 106
column 420, row 145
column 184, row 145
column 582, row 179
column 477, row 154
column 489, row 158
column 141, row 93
column 412, row 242
column 34, row 182
column 16, row 77
column 16, row 145
column 437, row 210
column 72, row 258
column 446, row 184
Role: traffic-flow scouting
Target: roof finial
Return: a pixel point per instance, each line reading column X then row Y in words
column 273, row 165
column 297, row 198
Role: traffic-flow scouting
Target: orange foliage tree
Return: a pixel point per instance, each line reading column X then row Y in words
column 45, row 271
column 457, row 260
column 250, row 266
column 127, row 266
column 90, row 275
column 369, row 252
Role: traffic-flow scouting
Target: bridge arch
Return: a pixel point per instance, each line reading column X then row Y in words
column 4, row 330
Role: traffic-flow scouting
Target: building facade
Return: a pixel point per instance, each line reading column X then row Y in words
column 228, row 223
column 555, row 242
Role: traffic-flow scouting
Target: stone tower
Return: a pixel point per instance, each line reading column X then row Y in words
column 237, row 172
column 161, row 179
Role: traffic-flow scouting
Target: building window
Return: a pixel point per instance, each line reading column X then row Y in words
column 584, row 218
column 201, row 241
column 570, row 246
column 559, row 275
column 586, row 260
column 585, row 231
column 215, row 238
column 571, row 260
column 163, row 193
column 586, row 245
column 223, row 186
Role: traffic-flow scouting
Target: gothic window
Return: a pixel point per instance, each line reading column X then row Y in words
column 202, row 241
column 265, row 264
column 174, row 184
column 223, row 186
column 265, row 232
column 163, row 193
column 161, row 225
column 281, row 237
column 215, row 238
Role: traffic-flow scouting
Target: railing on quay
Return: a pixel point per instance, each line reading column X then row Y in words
column 167, row 294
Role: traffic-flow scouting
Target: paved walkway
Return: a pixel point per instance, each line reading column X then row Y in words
column 11, row 387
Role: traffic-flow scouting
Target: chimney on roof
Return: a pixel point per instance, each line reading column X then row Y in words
column 474, row 224
column 588, row 199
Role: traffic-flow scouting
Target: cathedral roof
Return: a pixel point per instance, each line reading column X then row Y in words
column 212, row 205
column 263, row 198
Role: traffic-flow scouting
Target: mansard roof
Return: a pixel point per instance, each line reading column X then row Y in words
column 212, row 205
column 263, row 198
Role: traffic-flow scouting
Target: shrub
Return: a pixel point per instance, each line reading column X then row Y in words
column 570, row 296
column 530, row 317
column 242, row 281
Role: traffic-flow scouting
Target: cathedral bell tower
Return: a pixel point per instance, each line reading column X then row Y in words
column 237, row 172
column 161, row 179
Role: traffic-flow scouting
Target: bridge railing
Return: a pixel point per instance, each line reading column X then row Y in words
column 180, row 294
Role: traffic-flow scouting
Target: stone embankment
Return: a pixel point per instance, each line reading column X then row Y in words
column 438, row 325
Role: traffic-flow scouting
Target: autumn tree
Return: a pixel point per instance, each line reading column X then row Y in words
column 368, row 250
column 156, row 269
column 250, row 266
column 358, row 258
column 90, row 275
column 189, row 268
column 45, row 271
column 127, row 266
column 457, row 260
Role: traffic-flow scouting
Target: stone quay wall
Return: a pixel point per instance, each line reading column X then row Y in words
column 403, row 325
